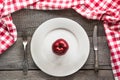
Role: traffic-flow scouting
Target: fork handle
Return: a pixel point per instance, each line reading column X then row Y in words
column 25, row 61
column 96, row 61
column 25, row 52
column 25, row 67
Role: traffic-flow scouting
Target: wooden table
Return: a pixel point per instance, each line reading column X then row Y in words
column 29, row 20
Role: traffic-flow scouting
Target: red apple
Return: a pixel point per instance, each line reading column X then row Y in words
column 60, row 47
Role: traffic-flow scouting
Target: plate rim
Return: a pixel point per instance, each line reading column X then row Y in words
column 36, row 32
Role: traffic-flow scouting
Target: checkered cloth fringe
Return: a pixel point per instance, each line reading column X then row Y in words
column 106, row 10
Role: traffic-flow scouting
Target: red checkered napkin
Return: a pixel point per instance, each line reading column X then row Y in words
column 106, row 10
column 7, row 33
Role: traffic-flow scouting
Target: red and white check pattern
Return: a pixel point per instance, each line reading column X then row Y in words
column 106, row 10
column 8, row 33
column 113, row 37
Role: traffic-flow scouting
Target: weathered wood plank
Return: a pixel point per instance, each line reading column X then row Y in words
column 31, row 19
column 13, row 57
column 39, row 75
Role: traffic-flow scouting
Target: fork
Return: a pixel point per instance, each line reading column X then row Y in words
column 25, row 60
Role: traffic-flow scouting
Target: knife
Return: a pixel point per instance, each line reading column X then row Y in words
column 95, row 46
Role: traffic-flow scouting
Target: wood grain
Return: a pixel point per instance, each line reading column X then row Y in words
column 39, row 75
column 29, row 20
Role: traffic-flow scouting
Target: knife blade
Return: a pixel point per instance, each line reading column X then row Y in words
column 95, row 47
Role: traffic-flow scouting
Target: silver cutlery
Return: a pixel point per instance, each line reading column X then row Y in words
column 25, row 61
column 95, row 46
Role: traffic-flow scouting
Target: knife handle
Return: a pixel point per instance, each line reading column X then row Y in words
column 96, row 61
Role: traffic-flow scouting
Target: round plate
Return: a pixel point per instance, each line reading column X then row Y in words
column 52, row 30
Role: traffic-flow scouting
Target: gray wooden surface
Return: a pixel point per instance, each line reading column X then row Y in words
column 29, row 20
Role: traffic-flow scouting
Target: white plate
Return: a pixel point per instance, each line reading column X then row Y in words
column 46, row 34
